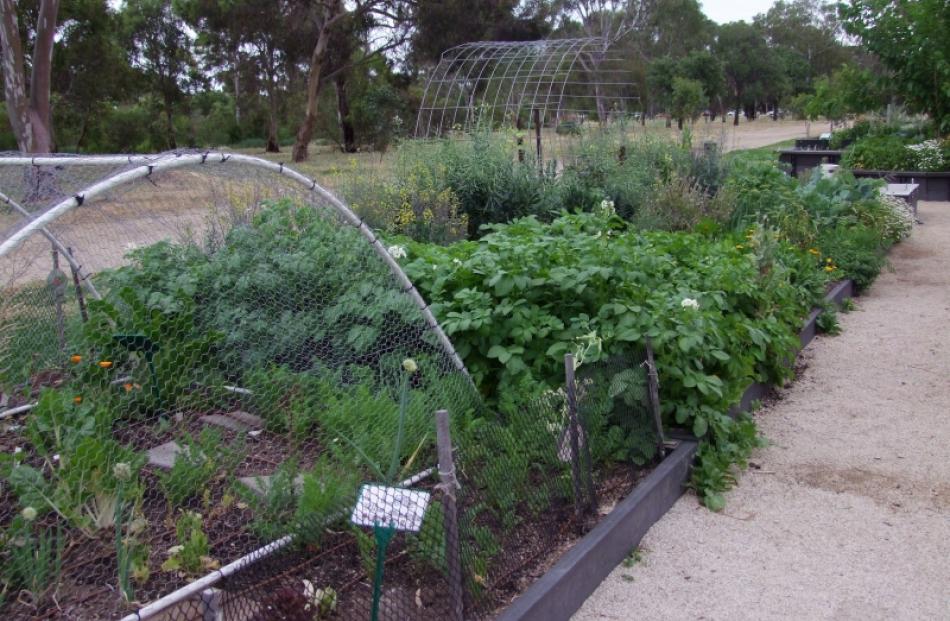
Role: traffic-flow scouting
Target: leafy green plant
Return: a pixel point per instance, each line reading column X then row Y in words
column 131, row 554
column 887, row 152
column 191, row 555
column 33, row 556
column 200, row 460
column 635, row 556
column 326, row 492
column 827, row 321
column 716, row 464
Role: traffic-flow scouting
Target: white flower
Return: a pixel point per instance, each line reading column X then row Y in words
column 409, row 365
column 928, row 155
column 29, row 514
column 457, row 261
column 690, row 303
column 397, row 252
column 606, row 207
column 324, row 600
column 122, row 471
column 17, row 450
column 56, row 457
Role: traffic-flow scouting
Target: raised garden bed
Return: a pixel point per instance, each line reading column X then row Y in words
column 561, row 591
column 803, row 160
column 811, row 143
column 934, row 186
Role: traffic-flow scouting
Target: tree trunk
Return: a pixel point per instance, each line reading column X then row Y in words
column 679, row 123
column 236, row 80
column 347, row 131
column 735, row 119
column 82, row 132
column 332, row 10
column 30, row 117
column 273, row 145
column 170, row 125
column 237, row 94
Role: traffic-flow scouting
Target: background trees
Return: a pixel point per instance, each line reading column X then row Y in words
column 148, row 75
column 912, row 40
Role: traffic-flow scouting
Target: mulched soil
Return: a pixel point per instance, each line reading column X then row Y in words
column 273, row 589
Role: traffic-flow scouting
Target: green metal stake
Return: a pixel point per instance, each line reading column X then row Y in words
column 384, row 535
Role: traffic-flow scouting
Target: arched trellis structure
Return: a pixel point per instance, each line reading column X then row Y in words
column 558, row 83
column 135, row 168
column 170, row 367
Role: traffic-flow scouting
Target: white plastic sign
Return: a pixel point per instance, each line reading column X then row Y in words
column 393, row 507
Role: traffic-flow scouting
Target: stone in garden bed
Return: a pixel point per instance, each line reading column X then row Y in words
column 238, row 421
column 164, row 455
column 260, row 484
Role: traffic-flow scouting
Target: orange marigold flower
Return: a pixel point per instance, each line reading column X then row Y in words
column 127, row 386
column 75, row 358
column 77, row 399
column 105, row 364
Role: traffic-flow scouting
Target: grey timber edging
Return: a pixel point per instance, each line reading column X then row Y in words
column 563, row 588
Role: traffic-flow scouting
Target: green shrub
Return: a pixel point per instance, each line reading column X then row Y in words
column 879, row 153
column 857, row 251
column 524, row 295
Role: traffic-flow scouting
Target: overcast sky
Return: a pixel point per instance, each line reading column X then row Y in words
column 724, row 11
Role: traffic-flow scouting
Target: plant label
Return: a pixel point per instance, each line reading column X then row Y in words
column 393, row 507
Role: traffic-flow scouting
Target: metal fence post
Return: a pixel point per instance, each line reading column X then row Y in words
column 449, row 485
column 572, row 430
column 211, row 609
column 653, row 379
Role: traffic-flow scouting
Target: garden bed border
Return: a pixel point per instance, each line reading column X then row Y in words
column 561, row 591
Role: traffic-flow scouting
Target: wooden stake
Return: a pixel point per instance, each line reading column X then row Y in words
column 653, row 380
column 449, row 485
column 537, row 137
column 59, row 292
column 80, row 297
column 572, row 428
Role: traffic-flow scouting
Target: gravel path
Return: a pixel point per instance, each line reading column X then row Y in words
column 846, row 515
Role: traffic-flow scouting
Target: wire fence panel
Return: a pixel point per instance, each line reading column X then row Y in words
column 220, row 397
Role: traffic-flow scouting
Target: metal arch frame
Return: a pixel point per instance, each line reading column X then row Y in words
column 553, row 65
column 143, row 166
column 84, row 278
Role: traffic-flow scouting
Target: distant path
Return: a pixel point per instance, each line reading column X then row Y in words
column 846, row 515
column 751, row 135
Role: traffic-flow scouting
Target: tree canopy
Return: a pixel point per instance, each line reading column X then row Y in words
column 148, row 75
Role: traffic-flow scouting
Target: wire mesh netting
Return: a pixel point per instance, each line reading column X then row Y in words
column 551, row 89
column 219, row 395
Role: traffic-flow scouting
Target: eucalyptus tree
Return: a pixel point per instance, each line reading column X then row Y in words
column 91, row 74
column 159, row 46
column 387, row 27
column 750, row 67
column 911, row 40
column 251, row 45
column 26, row 83
column 613, row 22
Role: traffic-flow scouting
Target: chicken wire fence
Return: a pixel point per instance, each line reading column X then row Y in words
column 219, row 396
